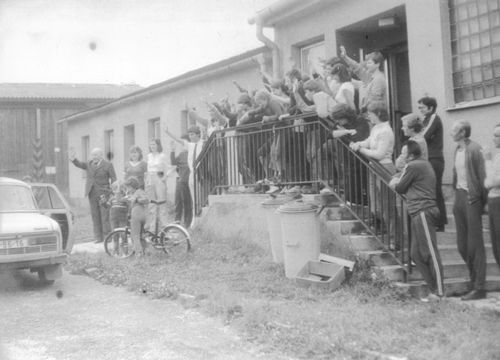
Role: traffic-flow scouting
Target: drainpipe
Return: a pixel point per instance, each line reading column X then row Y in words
column 271, row 45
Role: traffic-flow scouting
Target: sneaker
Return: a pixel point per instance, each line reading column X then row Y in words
column 325, row 191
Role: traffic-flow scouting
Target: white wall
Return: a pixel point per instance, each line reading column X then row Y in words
column 167, row 106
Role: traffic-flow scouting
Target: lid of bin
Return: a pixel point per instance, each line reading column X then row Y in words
column 274, row 201
column 297, row 207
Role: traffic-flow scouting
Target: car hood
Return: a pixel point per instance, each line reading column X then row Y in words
column 15, row 223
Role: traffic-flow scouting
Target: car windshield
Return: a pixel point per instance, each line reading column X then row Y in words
column 16, row 198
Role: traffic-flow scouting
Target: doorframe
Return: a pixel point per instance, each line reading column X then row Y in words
column 391, row 77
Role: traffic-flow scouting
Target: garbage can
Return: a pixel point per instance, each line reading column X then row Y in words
column 274, row 226
column 300, row 234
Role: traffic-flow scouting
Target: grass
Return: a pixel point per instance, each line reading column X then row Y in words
column 236, row 280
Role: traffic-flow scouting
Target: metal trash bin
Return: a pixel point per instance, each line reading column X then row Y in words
column 274, row 226
column 300, row 235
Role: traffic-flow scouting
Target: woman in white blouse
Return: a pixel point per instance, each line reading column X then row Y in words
column 156, row 184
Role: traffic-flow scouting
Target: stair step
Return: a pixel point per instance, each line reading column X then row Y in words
column 364, row 243
column 453, row 286
column 451, row 269
column 378, row 257
column 450, row 252
column 450, row 237
column 345, row 227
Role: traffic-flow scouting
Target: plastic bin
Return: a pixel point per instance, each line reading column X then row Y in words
column 300, row 234
column 321, row 274
column 274, row 227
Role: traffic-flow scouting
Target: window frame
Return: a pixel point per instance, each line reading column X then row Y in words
column 475, row 52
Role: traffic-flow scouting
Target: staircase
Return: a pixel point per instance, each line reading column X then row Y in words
column 369, row 248
column 376, row 229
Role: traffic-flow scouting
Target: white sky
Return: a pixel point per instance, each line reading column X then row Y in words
column 138, row 41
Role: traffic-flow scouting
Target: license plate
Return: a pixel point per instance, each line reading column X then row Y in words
column 10, row 244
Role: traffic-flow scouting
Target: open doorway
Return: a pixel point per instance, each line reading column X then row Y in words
column 386, row 32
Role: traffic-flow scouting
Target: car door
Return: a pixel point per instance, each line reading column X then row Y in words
column 53, row 204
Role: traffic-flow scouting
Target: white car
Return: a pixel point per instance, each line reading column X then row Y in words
column 35, row 228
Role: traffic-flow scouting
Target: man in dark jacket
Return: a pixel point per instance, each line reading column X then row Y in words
column 100, row 175
column 433, row 134
column 418, row 182
column 470, row 197
column 183, row 200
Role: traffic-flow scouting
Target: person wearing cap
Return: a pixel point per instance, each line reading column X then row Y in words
column 194, row 147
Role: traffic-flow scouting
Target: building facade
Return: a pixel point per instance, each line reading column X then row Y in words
column 143, row 115
column 32, row 144
column 447, row 49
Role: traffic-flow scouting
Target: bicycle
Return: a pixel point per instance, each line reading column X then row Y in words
column 173, row 236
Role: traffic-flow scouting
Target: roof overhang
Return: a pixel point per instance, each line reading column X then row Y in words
column 286, row 10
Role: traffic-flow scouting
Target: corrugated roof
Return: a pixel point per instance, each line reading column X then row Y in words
column 54, row 91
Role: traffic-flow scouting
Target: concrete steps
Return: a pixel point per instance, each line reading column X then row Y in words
column 369, row 248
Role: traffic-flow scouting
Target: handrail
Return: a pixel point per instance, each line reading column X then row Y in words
column 305, row 154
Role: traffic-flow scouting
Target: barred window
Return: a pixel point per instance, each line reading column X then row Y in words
column 475, row 47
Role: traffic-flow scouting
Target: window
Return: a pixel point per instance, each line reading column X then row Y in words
column 310, row 58
column 85, row 148
column 109, row 150
column 154, row 128
column 185, row 124
column 85, row 152
column 128, row 140
column 475, row 47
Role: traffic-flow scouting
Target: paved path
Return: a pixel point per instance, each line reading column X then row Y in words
column 79, row 318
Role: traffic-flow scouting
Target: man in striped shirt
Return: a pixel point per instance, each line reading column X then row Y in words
column 418, row 182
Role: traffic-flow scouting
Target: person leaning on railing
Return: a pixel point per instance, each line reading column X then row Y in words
column 412, row 128
column 380, row 144
column 351, row 128
column 418, row 183
column 271, row 111
column 378, row 148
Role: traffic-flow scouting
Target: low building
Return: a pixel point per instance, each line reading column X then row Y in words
column 32, row 145
column 143, row 115
column 447, row 49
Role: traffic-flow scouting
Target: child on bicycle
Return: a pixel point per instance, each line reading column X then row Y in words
column 138, row 201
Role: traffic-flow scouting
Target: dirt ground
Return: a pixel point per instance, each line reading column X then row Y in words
column 79, row 318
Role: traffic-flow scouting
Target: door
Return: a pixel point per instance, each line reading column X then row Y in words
column 51, row 203
column 398, row 70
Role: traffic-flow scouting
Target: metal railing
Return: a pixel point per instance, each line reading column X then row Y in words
column 300, row 151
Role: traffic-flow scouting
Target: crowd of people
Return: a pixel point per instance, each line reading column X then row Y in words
column 350, row 99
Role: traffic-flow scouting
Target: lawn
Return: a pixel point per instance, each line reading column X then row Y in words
column 236, row 280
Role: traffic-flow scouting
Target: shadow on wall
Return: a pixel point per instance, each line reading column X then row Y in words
column 244, row 219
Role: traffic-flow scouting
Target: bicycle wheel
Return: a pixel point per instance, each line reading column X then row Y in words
column 119, row 243
column 175, row 240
